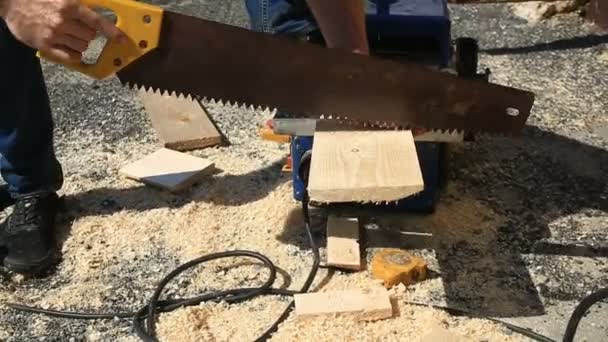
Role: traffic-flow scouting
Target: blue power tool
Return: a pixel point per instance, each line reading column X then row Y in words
column 409, row 30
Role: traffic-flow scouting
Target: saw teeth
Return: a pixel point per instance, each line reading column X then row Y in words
column 158, row 91
column 342, row 119
column 191, row 97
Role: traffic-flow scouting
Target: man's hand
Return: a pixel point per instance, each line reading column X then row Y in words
column 62, row 29
column 342, row 23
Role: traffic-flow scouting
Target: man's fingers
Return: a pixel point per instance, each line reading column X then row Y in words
column 111, row 30
column 89, row 17
column 73, row 43
column 79, row 30
column 64, row 54
column 98, row 23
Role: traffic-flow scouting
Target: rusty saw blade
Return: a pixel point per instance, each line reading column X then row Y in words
column 226, row 63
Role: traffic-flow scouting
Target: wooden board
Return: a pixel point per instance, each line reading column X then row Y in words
column 167, row 169
column 181, row 122
column 343, row 249
column 364, row 166
column 365, row 305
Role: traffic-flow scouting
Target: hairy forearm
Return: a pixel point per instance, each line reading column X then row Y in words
column 342, row 23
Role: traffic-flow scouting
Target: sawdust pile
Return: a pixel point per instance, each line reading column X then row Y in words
column 215, row 322
column 124, row 237
column 603, row 58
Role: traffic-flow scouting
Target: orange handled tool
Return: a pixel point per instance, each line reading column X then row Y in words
column 141, row 24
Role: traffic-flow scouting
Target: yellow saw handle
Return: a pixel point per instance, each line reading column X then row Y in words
column 140, row 23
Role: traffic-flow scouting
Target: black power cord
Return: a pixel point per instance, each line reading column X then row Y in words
column 149, row 313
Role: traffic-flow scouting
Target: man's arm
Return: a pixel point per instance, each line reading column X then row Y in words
column 342, row 23
column 62, row 29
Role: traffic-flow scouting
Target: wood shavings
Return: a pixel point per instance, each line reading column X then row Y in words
column 535, row 11
column 124, row 238
column 121, row 230
column 604, row 57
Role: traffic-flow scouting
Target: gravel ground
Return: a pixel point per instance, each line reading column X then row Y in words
column 520, row 233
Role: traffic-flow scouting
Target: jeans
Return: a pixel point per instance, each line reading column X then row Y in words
column 28, row 163
column 284, row 17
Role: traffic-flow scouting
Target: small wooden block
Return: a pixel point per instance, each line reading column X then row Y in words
column 364, row 305
column 343, row 243
column 168, row 169
column 364, row 166
column 181, row 122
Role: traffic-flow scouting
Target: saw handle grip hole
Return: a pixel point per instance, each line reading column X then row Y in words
column 512, row 112
column 96, row 46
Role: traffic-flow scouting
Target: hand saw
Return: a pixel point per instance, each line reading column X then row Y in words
column 186, row 55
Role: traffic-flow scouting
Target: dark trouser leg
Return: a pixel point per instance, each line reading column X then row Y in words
column 26, row 126
column 28, row 162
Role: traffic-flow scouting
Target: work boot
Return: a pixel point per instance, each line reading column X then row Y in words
column 28, row 234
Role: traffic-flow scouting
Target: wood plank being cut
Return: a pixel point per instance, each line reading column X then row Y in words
column 167, row 169
column 181, row 122
column 362, row 304
column 364, row 166
column 343, row 249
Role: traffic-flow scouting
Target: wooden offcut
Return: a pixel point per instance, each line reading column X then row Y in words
column 181, row 122
column 343, row 249
column 361, row 304
column 169, row 170
column 364, row 166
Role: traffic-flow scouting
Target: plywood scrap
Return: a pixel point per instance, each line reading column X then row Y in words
column 167, row 169
column 361, row 304
column 181, row 122
column 343, row 249
column 364, row 166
